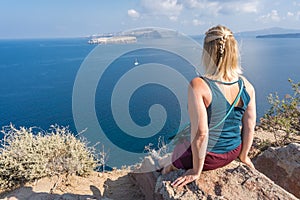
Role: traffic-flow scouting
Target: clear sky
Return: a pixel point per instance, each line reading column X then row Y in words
column 72, row 18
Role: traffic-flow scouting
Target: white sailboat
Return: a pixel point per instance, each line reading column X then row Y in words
column 136, row 62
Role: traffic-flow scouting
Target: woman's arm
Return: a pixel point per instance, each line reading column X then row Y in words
column 199, row 131
column 248, row 126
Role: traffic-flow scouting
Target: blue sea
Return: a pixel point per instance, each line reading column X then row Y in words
column 37, row 77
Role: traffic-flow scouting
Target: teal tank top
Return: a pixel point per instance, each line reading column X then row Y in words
column 226, row 136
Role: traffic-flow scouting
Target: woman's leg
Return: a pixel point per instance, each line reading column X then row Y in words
column 214, row 160
column 183, row 159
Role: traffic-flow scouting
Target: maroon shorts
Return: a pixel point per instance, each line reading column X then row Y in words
column 212, row 160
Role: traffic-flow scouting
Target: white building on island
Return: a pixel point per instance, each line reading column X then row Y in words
column 113, row 40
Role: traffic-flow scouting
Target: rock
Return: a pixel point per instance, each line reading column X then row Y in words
column 282, row 165
column 146, row 182
column 234, row 181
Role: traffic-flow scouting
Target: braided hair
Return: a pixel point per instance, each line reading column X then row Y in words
column 220, row 55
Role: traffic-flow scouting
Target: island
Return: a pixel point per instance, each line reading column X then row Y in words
column 125, row 37
column 286, row 35
column 113, row 40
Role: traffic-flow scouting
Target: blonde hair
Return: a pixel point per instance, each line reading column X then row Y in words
column 220, row 54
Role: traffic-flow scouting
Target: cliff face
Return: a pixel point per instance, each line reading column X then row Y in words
column 235, row 181
column 282, row 165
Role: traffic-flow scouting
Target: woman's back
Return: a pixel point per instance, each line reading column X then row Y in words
column 224, row 137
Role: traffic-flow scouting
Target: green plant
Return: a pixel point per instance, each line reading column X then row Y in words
column 283, row 115
column 27, row 154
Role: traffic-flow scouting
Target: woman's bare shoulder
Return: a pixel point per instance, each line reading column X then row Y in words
column 249, row 87
column 200, row 87
column 199, row 84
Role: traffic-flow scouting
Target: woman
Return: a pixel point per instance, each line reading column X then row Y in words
column 210, row 99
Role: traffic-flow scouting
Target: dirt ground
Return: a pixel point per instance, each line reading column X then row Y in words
column 108, row 185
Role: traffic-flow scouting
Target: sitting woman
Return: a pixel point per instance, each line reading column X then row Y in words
column 219, row 103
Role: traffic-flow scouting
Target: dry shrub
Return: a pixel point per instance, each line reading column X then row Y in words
column 283, row 118
column 27, row 154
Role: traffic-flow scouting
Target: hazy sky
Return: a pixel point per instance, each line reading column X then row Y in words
column 64, row 18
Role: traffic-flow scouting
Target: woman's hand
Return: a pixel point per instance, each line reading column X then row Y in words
column 246, row 160
column 188, row 177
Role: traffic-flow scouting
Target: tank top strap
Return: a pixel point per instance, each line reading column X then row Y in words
column 215, row 90
column 210, row 83
column 221, row 82
column 216, row 93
